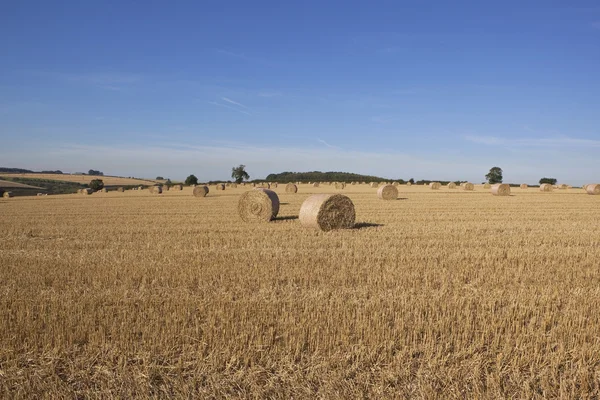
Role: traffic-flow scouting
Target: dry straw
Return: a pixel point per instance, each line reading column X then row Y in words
column 468, row 186
column 291, row 188
column 500, row 189
column 563, row 186
column 487, row 185
column 220, row 186
column 340, row 185
column 316, row 184
column 200, row 191
column 104, row 190
column 387, row 192
column 87, row 191
column 524, row 186
column 7, row 195
column 435, row 185
column 177, row 187
column 327, row 212
column 408, row 184
column 258, row 205
column 233, row 185
column 546, row 187
column 156, row 189
column 120, row 189
column 374, row 185
column 593, row 189
column 452, row 185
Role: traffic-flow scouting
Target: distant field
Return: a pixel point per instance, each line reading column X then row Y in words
column 108, row 180
column 440, row 294
column 9, row 185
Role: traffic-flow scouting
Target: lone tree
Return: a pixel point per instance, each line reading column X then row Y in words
column 495, row 175
column 239, row 173
column 551, row 181
column 191, row 180
column 96, row 184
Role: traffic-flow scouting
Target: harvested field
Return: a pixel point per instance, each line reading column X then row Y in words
column 444, row 294
column 108, row 180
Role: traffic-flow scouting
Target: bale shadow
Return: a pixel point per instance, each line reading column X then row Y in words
column 402, row 198
column 286, row 218
column 284, row 204
column 362, row 225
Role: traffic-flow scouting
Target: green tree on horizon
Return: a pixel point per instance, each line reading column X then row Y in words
column 239, row 173
column 495, row 175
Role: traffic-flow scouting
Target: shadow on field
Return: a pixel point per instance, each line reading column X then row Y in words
column 284, row 204
column 362, row 225
column 286, row 218
column 402, row 198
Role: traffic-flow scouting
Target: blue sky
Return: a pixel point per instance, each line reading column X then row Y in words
column 431, row 90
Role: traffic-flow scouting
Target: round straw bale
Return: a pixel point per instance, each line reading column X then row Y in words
column 374, row 185
column 79, row 191
column 316, row 184
column 104, row 190
column 120, row 189
column 177, row 187
column 546, row 187
column 258, row 205
column 563, row 186
column 200, row 191
column 156, row 189
column 468, row 186
column 87, row 191
column 291, row 188
column 340, row 185
column 387, row 192
column 501, row 189
column 524, row 186
column 593, row 189
column 7, row 195
column 451, row 185
column 140, row 188
column 327, row 212
column 408, row 184
column 434, row 185
column 274, row 185
column 233, row 185
column 220, row 186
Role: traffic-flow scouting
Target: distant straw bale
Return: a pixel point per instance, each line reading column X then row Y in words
column 374, row 185
column 340, row 185
column 468, row 186
column 258, row 205
column 435, row 185
column 451, row 185
column 408, row 184
column 563, row 186
column 546, row 187
column 316, row 184
column 120, row 189
column 387, row 192
column 104, row 190
column 593, row 189
column 201, row 191
column 156, row 189
column 233, row 185
column 524, row 186
column 87, row 191
column 220, row 186
column 177, row 187
column 291, row 188
column 487, row 185
column 327, row 212
column 500, row 189
column 8, row 195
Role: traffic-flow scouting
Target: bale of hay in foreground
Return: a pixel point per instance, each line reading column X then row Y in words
column 156, row 189
column 120, row 189
column 487, row 185
column 291, row 188
column 593, row 189
column 258, row 205
column 8, row 195
column 468, row 186
column 452, row 185
column 500, row 189
column 546, row 187
column 200, row 191
column 524, row 186
column 327, row 212
column 435, row 185
column 387, row 192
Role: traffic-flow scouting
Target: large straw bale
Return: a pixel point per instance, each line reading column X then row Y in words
column 500, row 189
column 435, row 185
column 327, row 212
column 200, row 191
column 387, row 192
column 593, row 189
column 546, row 187
column 451, row 185
column 258, row 205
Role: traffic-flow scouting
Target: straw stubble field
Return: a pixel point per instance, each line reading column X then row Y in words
column 440, row 293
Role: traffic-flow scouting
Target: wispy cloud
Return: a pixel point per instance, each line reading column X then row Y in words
column 233, row 102
column 229, row 107
column 328, row 145
column 557, row 141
